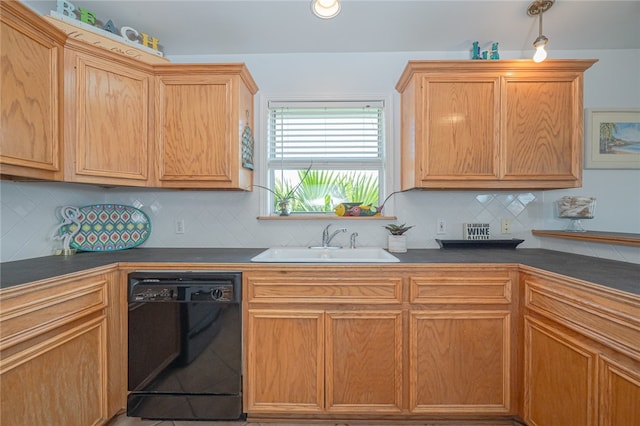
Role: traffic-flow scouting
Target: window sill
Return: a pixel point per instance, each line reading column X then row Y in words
column 325, row 217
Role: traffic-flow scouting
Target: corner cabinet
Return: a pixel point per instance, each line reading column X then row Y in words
column 203, row 113
column 31, row 103
column 492, row 124
column 108, row 130
column 581, row 354
column 57, row 362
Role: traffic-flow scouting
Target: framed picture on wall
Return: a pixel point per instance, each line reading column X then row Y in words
column 612, row 139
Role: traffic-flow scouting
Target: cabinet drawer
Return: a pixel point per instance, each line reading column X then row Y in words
column 472, row 286
column 28, row 313
column 609, row 319
column 275, row 289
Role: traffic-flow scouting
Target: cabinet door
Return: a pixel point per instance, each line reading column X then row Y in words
column 195, row 131
column 460, row 125
column 559, row 378
column 364, row 362
column 54, row 363
column 492, row 124
column 542, row 129
column 53, row 384
column 31, row 101
column 285, row 361
column 619, row 389
column 108, row 134
column 459, row 362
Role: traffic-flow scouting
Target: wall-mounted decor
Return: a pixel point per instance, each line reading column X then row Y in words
column 612, row 139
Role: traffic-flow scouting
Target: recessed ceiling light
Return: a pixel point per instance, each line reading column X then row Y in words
column 325, row 9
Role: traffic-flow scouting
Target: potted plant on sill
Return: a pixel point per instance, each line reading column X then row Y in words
column 283, row 196
column 397, row 240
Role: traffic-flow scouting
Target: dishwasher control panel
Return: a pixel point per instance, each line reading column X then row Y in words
column 213, row 287
column 153, row 293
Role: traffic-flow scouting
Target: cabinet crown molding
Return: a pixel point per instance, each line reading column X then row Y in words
column 506, row 66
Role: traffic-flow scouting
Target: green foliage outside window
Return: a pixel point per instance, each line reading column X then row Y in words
column 322, row 190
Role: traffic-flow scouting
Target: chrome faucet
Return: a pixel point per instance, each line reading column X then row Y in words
column 353, row 240
column 326, row 238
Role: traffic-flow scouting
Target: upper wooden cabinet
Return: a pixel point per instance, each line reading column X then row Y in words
column 127, row 121
column 492, row 124
column 202, row 112
column 31, row 101
column 108, row 128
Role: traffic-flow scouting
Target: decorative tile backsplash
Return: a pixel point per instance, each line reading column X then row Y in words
column 229, row 219
column 28, row 215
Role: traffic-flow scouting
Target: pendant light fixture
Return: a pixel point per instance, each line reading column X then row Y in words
column 538, row 7
column 325, row 9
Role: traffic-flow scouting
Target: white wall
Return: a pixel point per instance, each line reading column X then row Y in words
column 228, row 219
column 613, row 82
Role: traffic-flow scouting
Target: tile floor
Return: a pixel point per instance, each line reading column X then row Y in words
column 123, row 420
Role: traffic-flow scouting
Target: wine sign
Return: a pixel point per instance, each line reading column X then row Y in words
column 475, row 231
column 66, row 9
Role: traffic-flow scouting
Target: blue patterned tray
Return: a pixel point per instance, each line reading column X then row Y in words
column 107, row 227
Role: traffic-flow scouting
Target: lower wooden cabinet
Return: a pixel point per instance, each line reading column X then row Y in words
column 581, row 354
column 425, row 342
column 364, row 361
column 619, row 391
column 462, row 340
column 60, row 381
column 285, row 369
column 308, row 351
column 57, row 366
column 572, row 381
column 314, row 361
column 559, row 378
column 460, row 362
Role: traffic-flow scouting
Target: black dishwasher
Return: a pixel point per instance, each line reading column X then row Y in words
column 185, row 348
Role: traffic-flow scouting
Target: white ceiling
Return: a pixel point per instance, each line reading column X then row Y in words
column 214, row 27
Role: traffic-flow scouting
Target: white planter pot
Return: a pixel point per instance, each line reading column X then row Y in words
column 397, row 243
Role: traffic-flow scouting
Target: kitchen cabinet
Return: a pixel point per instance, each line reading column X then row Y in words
column 400, row 342
column 492, row 124
column 203, row 114
column 560, row 378
column 619, row 391
column 461, row 341
column 127, row 122
column 581, row 354
column 330, row 342
column 31, row 105
column 308, row 351
column 58, row 365
column 109, row 132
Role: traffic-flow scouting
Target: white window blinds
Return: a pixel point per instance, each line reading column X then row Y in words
column 326, row 132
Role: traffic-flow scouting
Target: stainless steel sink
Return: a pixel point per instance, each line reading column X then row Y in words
column 325, row 255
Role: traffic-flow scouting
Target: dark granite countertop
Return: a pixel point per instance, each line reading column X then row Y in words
column 617, row 275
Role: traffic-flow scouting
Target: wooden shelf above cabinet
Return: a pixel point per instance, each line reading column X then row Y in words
column 621, row 238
